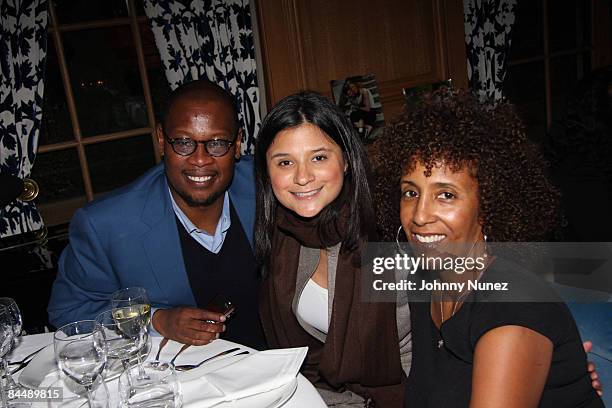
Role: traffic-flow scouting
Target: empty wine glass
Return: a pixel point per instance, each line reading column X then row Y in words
column 124, row 335
column 6, row 340
column 80, row 352
column 16, row 323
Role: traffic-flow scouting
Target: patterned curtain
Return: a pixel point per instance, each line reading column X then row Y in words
column 210, row 39
column 488, row 29
column 23, row 48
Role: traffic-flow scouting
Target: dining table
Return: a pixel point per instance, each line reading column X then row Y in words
column 34, row 375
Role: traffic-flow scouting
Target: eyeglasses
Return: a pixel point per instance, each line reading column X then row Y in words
column 186, row 146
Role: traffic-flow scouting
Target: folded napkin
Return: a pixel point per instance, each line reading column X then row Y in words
column 254, row 374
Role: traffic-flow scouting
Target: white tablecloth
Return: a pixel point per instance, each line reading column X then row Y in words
column 305, row 394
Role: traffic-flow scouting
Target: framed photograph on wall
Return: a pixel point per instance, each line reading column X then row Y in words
column 359, row 98
column 414, row 94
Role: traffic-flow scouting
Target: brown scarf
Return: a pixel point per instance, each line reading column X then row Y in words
column 361, row 351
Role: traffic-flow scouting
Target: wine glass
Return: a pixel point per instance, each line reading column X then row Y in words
column 6, row 340
column 80, row 352
column 16, row 323
column 133, row 297
column 125, row 335
column 132, row 302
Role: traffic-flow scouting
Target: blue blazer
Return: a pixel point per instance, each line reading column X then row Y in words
column 130, row 238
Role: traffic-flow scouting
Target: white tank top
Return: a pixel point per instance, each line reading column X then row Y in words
column 312, row 307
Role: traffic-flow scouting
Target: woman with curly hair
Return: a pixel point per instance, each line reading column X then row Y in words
column 465, row 175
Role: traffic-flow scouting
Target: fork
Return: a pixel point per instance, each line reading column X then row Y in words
column 185, row 346
column 24, row 361
column 161, row 346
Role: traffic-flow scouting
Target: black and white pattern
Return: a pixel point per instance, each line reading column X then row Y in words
column 210, row 39
column 23, row 48
column 488, row 29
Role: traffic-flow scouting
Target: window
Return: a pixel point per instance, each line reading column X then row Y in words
column 551, row 51
column 104, row 84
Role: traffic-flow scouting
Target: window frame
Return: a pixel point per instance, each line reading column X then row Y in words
column 598, row 56
column 60, row 212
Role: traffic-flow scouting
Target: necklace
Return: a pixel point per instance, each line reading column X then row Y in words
column 460, row 298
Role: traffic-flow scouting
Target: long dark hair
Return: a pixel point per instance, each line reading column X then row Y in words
column 295, row 110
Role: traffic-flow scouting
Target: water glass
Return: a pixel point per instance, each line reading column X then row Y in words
column 159, row 388
column 75, row 395
column 6, row 340
column 80, row 352
column 16, row 323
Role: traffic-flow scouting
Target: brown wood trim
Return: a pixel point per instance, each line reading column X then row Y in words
column 144, row 76
column 280, row 17
column 59, row 47
column 116, row 136
column 556, row 54
column 293, row 21
column 109, row 137
column 439, row 32
column 60, row 212
column 88, row 25
column 54, row 147
column 601, row 34
column 454, row 32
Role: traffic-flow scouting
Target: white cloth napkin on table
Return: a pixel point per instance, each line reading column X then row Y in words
column 254, row 374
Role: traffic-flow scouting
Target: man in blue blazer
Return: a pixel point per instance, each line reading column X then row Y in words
column 183, row 231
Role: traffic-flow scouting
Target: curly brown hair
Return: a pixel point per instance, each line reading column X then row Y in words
column 517, row 203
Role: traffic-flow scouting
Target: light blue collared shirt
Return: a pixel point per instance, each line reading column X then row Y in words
column 211, row 242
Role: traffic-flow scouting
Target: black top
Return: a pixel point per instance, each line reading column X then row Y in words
column 442, row 377
column 232, row 272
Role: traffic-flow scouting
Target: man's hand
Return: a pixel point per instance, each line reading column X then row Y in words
column 588, row 346
column 188, row 325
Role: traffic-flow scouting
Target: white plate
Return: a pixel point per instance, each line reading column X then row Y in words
column 271, row 399
column 44, row 364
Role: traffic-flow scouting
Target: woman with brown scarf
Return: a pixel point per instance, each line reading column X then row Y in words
column 314, row 215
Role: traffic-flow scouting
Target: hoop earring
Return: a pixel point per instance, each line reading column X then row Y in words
column 397, row 239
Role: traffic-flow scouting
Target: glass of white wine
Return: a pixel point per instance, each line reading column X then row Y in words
column 135, row 298
column 130, row 303
column 125, row 336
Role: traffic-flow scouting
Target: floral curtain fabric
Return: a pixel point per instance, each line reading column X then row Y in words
column 488, row 35
column 23, row 48
column 210, row 39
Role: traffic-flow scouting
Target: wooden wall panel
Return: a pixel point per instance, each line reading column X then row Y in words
column 307, row 43
column 601, row 34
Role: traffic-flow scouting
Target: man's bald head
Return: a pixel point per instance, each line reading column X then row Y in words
column 200, row 90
